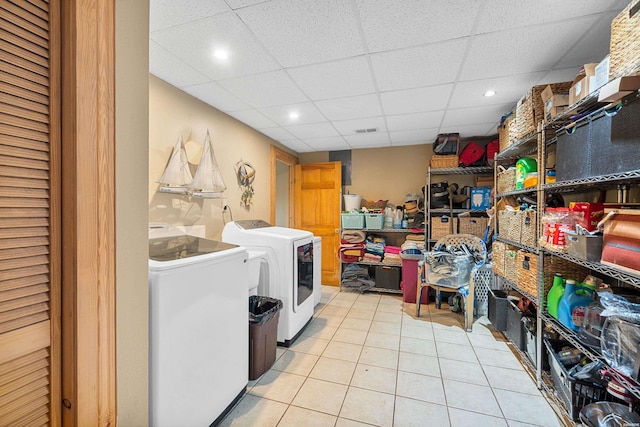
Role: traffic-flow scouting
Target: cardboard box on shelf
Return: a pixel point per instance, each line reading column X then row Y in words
column 619, row 88
column 602, row 72
column 483, row 181
column 554, row 103
column 583, row 84
column 480, row 198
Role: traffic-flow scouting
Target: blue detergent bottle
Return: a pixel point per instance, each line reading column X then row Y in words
column 574, row 296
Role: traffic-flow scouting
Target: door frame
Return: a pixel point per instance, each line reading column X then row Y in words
column 276, row 154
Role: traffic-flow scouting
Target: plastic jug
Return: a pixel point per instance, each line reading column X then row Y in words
column 524, row 166
column 397, row 218
column 555, row 294
column 574, row 296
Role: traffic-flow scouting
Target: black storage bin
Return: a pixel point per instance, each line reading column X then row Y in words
column 264, row 313
column 497, row 309
column 387, row 277
column 615, row 140
column 573, row 154
column 514, row 330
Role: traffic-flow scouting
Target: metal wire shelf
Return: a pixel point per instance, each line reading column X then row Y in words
column 462, row 171
column 455, row 211
column 519, row 147
column 604, row 181
column 516, row 192
column 519, row 245
column 616, row 273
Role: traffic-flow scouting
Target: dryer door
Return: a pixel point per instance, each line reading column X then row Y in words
column 302, row 271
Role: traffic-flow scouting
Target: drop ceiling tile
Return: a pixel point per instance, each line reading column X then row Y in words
column 420, row 66
column 355, row 107
column 253, row 118
column 298, row 146
column 239, row 4
column 300, row 32
column 508, row 89
column 314, row 130
column 194, row 43
column 419, row 136
column 348, row 127
column 277, row 133
column 476, row 115
column 335, row 79
column 214, row 95
column 407, row 143
column 504, row 14
column 592, row 47
column 520, row 51
column 392, row 24
column 367, row 140
column 415, row 121
column 332, row 143
column 265, row 90
column 408, row 101
column 171, row 69
column 307, row 113
column 169, row 13
column 469, row 131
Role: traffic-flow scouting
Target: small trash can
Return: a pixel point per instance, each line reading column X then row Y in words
column 409, row 282
column 264, row 313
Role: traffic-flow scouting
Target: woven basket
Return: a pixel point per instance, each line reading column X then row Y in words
column 530, row 109
column 625, row 42
column 498, row 249
column 475, row 226
column 527, row 272
column 509, row 225
column 441, row 226
column 528, row 227
column 374, row 204
column 504, row 133
column 439, row 162
column 511, row 263
column 507, row 181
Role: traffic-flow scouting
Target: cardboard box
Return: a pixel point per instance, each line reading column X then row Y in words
column 554, row 103
column 619, row 88
column 483, row 181
column 602, row 72
column 584, row 247
column 480, row 198
column 583, row 84
column 593, row 213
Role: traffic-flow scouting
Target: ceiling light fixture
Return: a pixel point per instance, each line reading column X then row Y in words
column 490, row 93
column 221, row 54
column 294, row 115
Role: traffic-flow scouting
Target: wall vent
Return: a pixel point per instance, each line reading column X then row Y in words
column 369, row 130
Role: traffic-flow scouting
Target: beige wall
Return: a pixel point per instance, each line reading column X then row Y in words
column 173, row 113
column 132, row 153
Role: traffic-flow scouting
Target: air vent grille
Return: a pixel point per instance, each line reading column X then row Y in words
column 369, row 130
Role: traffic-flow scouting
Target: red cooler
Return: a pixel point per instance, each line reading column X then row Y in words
column 410, row 278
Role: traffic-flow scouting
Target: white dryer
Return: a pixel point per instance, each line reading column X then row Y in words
column 287, row 270
column 198, row 329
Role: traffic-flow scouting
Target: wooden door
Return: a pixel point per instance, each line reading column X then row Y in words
column 317, row 209
column 29, row 213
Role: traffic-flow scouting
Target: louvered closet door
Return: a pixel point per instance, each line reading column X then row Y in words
column 29, row 197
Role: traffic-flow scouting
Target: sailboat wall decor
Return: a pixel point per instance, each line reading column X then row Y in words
column 177, row 175
column 208, row 182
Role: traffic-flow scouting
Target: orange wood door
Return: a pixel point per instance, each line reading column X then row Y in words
column 317, row 209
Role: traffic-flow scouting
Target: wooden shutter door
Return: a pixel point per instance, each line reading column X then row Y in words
column 29, row 217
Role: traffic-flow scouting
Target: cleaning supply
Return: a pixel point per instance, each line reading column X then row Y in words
column 524, row 166
column 555, row 294
column 576, row 297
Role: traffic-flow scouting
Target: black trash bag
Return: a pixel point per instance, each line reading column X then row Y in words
column 262, row 309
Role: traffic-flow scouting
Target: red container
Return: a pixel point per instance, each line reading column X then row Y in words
column 593, row 213
column 409, row 283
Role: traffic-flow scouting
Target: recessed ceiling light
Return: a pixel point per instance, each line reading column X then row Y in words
column 490, row 93
column 221, row 54
column 294, row 115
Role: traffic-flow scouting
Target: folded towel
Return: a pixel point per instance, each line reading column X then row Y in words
column 353, row 236
column 392, row 249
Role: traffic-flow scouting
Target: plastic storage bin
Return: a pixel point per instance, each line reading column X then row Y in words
column 514, row 328
column 352, row 221
column 498, row 305
column 409, row 282
column 387, row 277
column 374, row 221
column 264, row 313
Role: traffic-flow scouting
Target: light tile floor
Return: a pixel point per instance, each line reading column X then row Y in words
column 366, row 360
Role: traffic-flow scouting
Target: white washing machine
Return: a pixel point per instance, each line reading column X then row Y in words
column 287, row 270
column 317, row 270
column 198, row 329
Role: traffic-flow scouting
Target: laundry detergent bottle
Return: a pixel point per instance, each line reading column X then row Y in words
column 555, row 294
column 574, row 296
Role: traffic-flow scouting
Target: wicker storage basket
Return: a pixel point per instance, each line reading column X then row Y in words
column 507, row 181
column 625, row 42
column 439, row 162
column 528, row 228
column 441, row 226
column 504, row 133
column 498, row 249
column 509, row 225
column 530, row 109
column 527, row 272
column 511, row 264
column 475, row 226
column 374, row 204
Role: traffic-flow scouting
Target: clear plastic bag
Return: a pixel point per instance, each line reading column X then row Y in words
column 447, row 269
column 619, row 343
